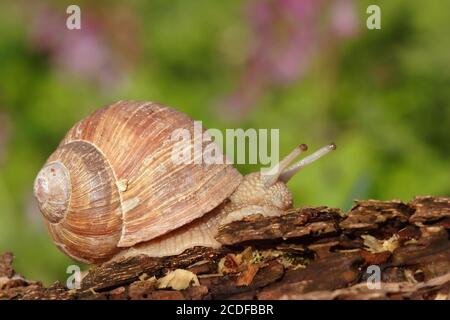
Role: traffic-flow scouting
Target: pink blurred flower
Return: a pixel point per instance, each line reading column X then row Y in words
column 344, row 20
column 87, row 53
column 287, row 35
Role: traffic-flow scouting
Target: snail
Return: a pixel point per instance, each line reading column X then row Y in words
column 111, row 188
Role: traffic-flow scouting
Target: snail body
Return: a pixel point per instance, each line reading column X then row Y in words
column 111, row 187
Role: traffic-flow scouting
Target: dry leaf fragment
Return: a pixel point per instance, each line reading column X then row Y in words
column 442, row 296
column 374, row 245
column 247, row 275
column 228, row 264
column 178, row 279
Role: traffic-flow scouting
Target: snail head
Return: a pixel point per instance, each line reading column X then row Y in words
column 269, row 188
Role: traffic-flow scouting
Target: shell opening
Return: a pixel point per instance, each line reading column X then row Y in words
column 52, row 189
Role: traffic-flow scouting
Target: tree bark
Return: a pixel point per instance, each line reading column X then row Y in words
column 307, row 253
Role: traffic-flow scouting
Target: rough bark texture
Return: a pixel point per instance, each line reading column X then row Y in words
column 308, row 253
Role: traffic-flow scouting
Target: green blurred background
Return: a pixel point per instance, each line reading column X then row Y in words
column 308, row 67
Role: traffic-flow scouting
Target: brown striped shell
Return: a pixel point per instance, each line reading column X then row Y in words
column 112, row 183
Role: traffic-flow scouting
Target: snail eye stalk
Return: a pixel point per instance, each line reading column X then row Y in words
column 287, row 174
column 271, row 177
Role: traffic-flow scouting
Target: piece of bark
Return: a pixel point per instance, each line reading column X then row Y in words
column 429, row 209
column 127, row 270
column 195, row 293
column 165, row 295
column 247, row 276
column 433, row 288
column 408, row 233
column 431, row 255
column 205, row 267
column 315, row 222
column 221, row 287
column 37, row 292
column 370, row 214
column 378, row 258
column 333, row 272
column 307, row 253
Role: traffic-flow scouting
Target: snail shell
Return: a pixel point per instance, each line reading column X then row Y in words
column 112, row 184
